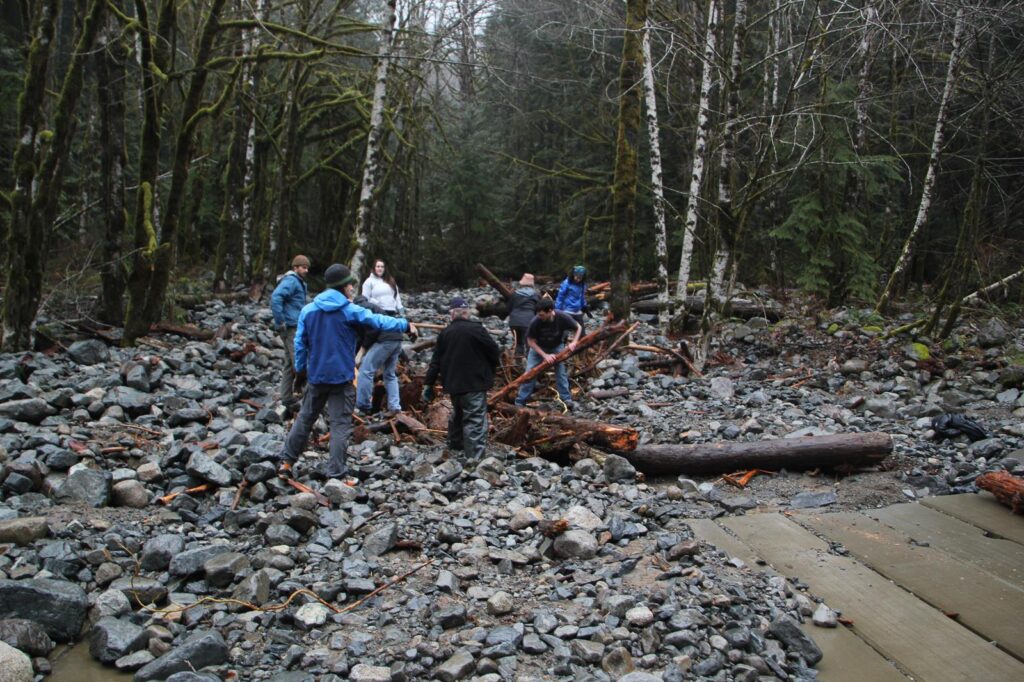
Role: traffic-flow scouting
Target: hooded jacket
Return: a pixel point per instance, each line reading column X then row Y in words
column 288, row 298
column 328, row 334
column 572, row 296
column 522, row 306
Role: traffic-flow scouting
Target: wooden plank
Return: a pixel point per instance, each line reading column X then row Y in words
column 921, row 640
column 986, row 604
column 847, row 658
column 957, row 538
column 983, row 511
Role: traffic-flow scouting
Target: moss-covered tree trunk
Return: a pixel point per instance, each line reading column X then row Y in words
column 40, row 157
column 626, row 160
column 146, row 300
column 111, row 56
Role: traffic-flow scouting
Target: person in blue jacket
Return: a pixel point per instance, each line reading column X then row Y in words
column 286, row 303
column 572, row 295
column 325, row 350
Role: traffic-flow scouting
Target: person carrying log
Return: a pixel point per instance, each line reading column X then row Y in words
column 522, row 306
column 465, row 358
column 286, row 303
column 572, row 295
column 546, row 337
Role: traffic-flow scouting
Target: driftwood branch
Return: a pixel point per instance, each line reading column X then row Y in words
column 598, row 434
column 491, row 279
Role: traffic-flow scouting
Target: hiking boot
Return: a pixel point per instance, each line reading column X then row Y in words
column 284, row 469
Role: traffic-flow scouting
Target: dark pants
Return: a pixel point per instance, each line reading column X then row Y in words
column 467, row 425
column 579, row 317
column 521, row 347
column 340, row 399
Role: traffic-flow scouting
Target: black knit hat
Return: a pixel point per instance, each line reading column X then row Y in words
column 338, row 276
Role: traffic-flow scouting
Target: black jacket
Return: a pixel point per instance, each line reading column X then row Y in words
column 465, row 358
column 522, row 306
column 368, row 337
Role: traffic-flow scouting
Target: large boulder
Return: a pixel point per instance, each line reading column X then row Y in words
column 15, row 666
column 198, row 651
column 31, row 410
column 89, row 352
column 112, row 638
column 87, row 486
column 24, row 531
column 59, row 606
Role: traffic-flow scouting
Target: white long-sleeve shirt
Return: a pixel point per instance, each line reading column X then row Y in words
column 380, row 293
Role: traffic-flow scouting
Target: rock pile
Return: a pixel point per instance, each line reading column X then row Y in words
column 436, row 567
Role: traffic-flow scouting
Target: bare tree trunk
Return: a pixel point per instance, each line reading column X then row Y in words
column 371, row 166
column 700, row 148
column 938, row 142
column 111, row 57
column 626, row 162
column 657, row 185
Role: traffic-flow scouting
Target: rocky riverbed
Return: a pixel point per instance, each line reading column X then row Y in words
column 435, row 567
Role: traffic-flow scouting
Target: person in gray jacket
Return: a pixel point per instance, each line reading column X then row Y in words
column 522, row 306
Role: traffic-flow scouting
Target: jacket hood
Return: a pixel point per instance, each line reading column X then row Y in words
column 330, row 300
column 526, row 291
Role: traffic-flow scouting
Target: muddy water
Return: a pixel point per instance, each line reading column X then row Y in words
column 74, row 664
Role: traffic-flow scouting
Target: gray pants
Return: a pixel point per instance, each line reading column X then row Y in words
column 286, row 389
column 340, row 399
column 467, row 425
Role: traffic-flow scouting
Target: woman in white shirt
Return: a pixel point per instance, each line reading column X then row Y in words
column 381, row 350
column 381, row 289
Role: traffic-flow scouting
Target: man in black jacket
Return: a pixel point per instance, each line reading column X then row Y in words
column 465, row 357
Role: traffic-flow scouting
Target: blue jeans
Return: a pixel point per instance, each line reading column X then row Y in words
column 382, row 355
column 561, row 378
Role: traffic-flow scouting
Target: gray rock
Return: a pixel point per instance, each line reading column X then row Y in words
column 140, row 589
column 987, row 448
column 192, row 560
column 575, row 544
column 381, row 540
column 134, row 661
column 110, row 603
column 137, row 377
column 641, row 677
column 824, row 617
column 15, row 666
column 992, row 333
column 254, row 589
column 881, row 407
column 89, row 352
column 619, row 470
column 128, row 399
column 57, row 605
column 500, row 603
column 24, row 531
column 26, row 635
column 198, row 651
column 111, row 638
column 86, row 486
column 203, row 467
column 281, row 534
column 457, row 667
column 31, row 410
column 131, row 494
column 312, row 615
column 222, row 568
column 187, row 415
column 618, row 662
column 807, row 499
column 587, row 651
column 854, row 366
column 722, row 387
column 159, row 550
column 788, row 631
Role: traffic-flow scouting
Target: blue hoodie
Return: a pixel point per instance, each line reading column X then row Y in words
column 572, row 296
column 327, row 336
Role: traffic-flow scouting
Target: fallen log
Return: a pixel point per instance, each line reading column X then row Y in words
column 187, row 330
column 599, row 434
column 1007, row 488
column 489, row 277
column 587, row 341
column 419, row 430
column 604, row 394
column 741, row 308
column 810, row 452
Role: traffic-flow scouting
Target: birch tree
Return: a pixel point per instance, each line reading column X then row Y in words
column 938, row 142
column 657, row 186
column 700, row 149
column 374, row 151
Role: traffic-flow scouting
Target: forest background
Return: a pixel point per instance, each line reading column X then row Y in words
column 855, row 149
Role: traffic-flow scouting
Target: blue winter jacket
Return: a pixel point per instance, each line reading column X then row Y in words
column 572, row 296
column 327, row 337
column 288, row 298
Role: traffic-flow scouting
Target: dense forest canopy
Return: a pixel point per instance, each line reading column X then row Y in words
column 851, row 148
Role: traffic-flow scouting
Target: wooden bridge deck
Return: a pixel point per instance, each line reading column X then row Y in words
column 935, row 590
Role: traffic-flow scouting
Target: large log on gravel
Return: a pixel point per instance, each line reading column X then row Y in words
column 826, row 452
column 741, row 308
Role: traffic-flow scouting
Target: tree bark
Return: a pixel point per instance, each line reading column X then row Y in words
column 938, row 143
column 371, row 166
column 496, row 283
column 598, row 434
column 700, row 148
column 790, row 453
column 626, row 161
column 657, row 185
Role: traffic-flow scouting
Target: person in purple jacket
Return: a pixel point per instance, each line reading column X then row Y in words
column 325, row 349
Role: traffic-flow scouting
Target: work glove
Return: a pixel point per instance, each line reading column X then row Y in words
column 428, row 394
column 299, row 385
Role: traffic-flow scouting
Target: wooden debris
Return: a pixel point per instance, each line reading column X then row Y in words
column 187, row 330
column 587, row 341
column 303, row 488
column 1007, row 488
column 597, row 434
column 789, row 453
column 498, row 285
column 167, row 499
